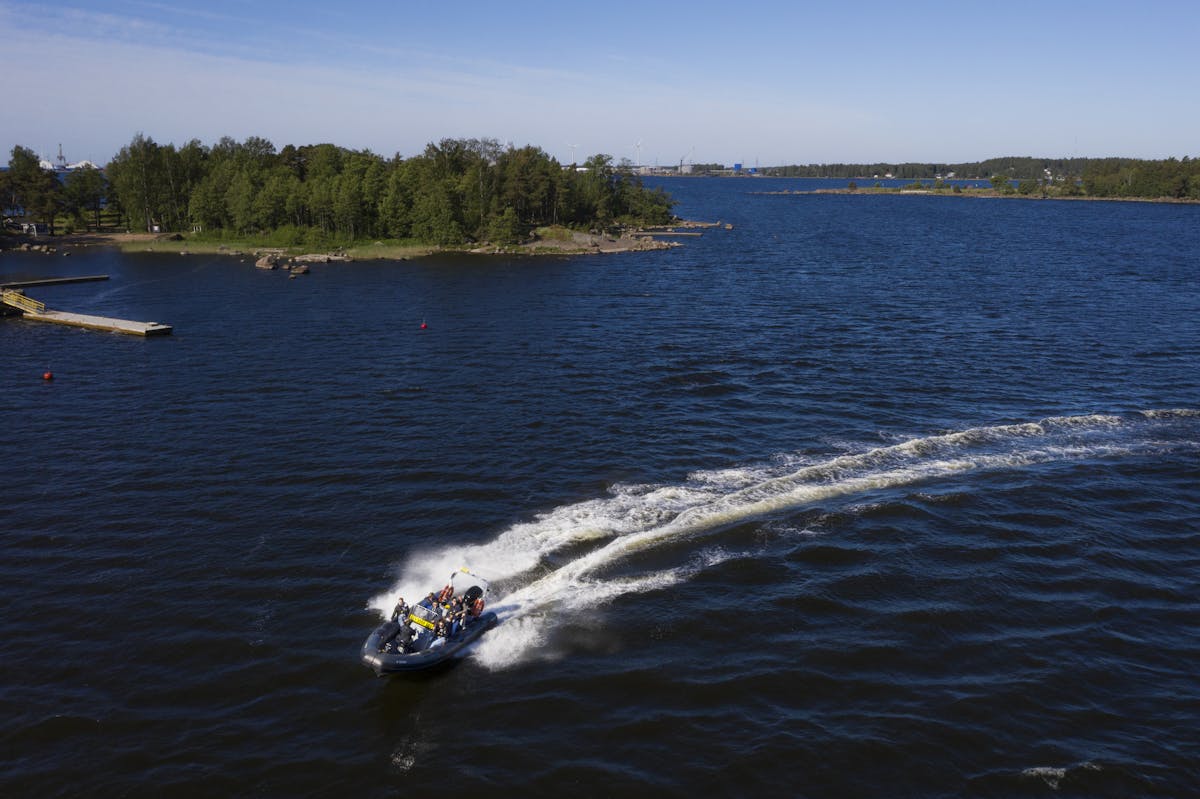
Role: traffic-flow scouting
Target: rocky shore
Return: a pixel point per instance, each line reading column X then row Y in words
column 543, row 241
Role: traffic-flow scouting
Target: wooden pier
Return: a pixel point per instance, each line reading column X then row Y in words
column 37, row 311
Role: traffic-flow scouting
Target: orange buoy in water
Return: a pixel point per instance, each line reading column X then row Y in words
column 48, row 375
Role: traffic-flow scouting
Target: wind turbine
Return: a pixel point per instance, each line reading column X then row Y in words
column 572, row 147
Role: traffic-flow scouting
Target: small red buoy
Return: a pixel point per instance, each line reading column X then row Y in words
column 48, row 375
column 423, row 325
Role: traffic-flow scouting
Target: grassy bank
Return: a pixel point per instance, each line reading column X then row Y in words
column 201, row 245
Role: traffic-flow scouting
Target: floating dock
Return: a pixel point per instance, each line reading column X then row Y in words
column 53, row 281
column 100, row 323
column 36, row 311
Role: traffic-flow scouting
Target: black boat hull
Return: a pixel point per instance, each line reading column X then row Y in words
column 398, row 663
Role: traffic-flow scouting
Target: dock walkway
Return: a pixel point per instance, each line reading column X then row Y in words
column 100, row 323
column 37, row 311
column 53, row 281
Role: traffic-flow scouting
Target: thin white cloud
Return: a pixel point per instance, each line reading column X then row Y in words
column 175, row 95
column 195, row 13
column 91, row 79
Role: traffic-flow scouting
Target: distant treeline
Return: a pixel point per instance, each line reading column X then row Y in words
column 1094, row 177
column 1128, row 177
column 1016, row 168
column 457, row 191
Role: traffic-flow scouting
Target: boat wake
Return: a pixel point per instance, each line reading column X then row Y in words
column 557, row 562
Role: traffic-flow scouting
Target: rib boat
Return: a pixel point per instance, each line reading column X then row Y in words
column 432, row 631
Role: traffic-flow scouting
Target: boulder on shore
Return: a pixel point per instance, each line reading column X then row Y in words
column 320, row 258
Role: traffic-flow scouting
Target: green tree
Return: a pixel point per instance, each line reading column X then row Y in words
column 397, row 203
column 206, row 206
column 433, row 218
column 84, row 191
column 240, row 201
column 321, row 190
column 270, row 204
column 506, row 228
column 7, row 198
column 596, row 194
column 135, row 176
column 33, row 190
column 348, row 213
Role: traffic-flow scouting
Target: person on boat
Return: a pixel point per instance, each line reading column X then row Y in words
column 454, row 615
column 429, row 601
column 400, row 614
column 440, row 633
column 458, row 619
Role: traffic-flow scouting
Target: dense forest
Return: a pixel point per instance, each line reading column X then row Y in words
column 457, row 191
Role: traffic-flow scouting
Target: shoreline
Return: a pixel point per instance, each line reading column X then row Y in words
column 546, row 241
column 980, row 194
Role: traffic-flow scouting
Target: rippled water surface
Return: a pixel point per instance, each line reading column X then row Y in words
column 864, row 496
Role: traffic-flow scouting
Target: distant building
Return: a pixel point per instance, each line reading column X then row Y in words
column 60, row 164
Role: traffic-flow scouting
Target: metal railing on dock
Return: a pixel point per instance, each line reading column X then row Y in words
column 18, row 299
column 36, row 311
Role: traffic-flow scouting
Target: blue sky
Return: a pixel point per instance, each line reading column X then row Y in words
column 755, row 82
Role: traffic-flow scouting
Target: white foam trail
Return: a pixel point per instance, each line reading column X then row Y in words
column 637, row 517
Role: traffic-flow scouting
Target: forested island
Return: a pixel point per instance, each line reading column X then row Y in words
column 460, row 193
column 457, row 193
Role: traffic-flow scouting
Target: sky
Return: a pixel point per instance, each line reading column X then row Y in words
column 659, row 83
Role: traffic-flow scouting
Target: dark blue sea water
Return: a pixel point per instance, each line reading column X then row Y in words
column 865, row 496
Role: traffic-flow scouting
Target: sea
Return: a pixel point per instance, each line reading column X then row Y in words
column 849, row 496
